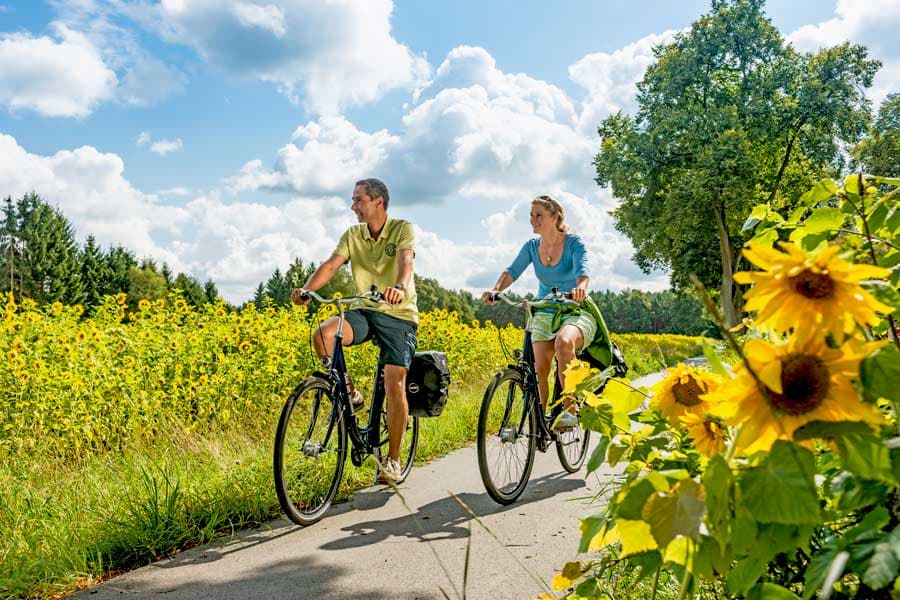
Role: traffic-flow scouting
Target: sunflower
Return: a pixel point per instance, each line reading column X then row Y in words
column 804, row 381
column 707, row 431
column 143, row 305
column 680, row 392
column 819, row 289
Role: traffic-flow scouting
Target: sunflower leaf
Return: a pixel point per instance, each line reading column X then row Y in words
column 877, row 558
column 771, row 591
column 820, row 192
column 677, row 514
column 829, row 430
column 635, row 537
column 782, row 489
column 590, row 528
column 867, row 456
column 596, row 418
column 598, row 455
column 632, row 503
column 880, row 372
column 823, row 219
column 744, row 575
column 877, row 215
column 823, row 570
column 766, row 237
column 718, row 481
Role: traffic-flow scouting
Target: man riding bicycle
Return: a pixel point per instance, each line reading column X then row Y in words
column 381, row 252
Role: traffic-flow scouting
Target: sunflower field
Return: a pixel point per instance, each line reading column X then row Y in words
column 776, row 477
column 147, row 428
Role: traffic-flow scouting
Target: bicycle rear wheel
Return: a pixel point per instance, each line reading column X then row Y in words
column 572, row 447
column 506, row 437
column 407, row 447
column 310, row 451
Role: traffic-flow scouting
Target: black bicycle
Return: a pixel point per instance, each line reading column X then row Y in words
column 311, row 443
column 512, row 423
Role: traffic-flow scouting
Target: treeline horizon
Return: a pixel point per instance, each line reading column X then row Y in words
column 40, row 259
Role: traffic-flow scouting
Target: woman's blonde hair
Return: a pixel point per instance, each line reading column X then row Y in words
column 555, row 209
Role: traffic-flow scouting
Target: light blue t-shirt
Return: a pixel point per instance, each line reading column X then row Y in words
column 563, row 275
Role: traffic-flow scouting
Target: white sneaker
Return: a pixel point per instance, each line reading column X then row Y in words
column 390, row 471
column 356, row 401
column 566, row 421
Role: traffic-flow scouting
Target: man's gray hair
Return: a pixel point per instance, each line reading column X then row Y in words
column 375, row 188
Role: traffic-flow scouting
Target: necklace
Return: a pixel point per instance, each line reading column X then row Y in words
column 549, row 251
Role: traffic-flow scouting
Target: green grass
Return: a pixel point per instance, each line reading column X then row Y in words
column 64, row 525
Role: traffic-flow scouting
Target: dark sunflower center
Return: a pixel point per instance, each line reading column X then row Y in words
column 804, row 383
column 687, row 394
column 813, row 285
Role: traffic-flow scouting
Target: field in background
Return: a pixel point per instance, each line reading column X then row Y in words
column 131, row 435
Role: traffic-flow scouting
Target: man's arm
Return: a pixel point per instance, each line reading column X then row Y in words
column 322, row 276
column 404, row 276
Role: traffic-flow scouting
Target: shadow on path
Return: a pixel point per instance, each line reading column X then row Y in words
column 445, row 518
column 290, row 578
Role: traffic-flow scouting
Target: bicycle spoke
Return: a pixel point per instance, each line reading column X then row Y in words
column 505, row 439
column 310, row 448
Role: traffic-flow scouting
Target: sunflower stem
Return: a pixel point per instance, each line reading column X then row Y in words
column 861, row 211
column 732, row 447
column 720, row 322
column 656, row 582
column 877, row 239
column 686, row 580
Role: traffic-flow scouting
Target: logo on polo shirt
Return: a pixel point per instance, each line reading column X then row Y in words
column 390, row 249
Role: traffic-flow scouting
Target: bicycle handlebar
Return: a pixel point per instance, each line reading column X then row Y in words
column 373, row 295
column 554, row 296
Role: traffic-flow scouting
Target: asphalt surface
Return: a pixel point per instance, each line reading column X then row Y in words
column 377, row 547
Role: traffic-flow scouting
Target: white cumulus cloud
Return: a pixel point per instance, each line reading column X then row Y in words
column 161, row 147
column 611, row 78
column 59, row 76
column 328, row 55
column 88, row 186
column 874, row 24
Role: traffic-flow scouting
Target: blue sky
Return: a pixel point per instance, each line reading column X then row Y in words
column 224, row 136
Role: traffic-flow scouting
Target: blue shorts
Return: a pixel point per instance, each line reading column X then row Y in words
column 396, row 337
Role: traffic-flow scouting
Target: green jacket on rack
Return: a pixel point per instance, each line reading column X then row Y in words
column 601, row 347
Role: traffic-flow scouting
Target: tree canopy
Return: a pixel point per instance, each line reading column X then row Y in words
column 729, row 115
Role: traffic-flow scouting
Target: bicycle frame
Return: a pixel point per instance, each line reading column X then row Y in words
column 525, row 365
column 363, row 439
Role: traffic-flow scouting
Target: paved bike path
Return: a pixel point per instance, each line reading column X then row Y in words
column 373, row 547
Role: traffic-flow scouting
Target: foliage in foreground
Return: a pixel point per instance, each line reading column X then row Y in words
column 778, row 478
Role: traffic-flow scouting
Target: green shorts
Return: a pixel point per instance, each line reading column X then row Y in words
column 542, row 321
column 397, row 337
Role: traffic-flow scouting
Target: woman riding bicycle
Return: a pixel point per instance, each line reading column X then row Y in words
column 560, row 261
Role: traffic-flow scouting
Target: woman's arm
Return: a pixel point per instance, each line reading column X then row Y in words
column 582, row 270
column 523, row 259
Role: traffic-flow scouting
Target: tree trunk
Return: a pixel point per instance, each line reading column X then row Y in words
column 726, row 296
column 785, row 160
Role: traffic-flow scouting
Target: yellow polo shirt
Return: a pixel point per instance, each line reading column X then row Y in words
column 374, row 262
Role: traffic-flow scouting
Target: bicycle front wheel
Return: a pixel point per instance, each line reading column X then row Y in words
column 310, row 451
column 407, row 446
column 572, row 447
column 506, row 437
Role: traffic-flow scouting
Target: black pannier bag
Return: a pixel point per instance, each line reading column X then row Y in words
column 428, row 384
